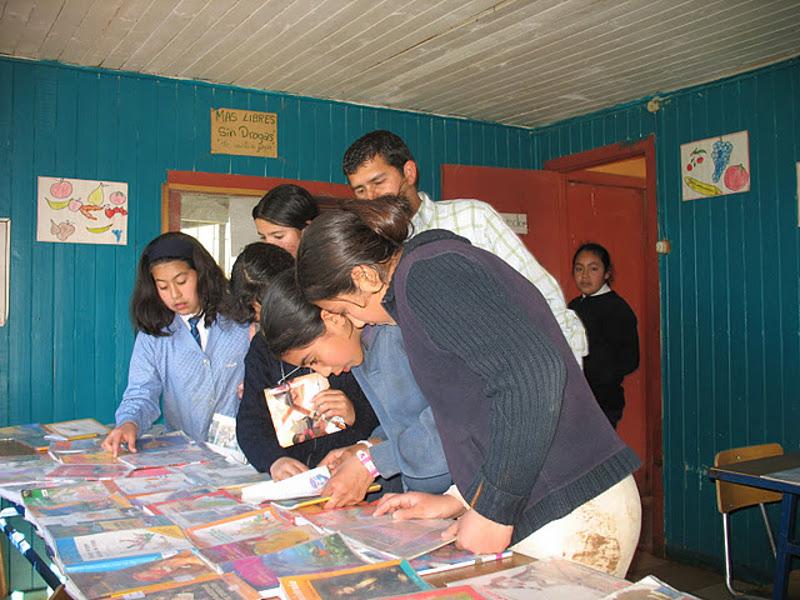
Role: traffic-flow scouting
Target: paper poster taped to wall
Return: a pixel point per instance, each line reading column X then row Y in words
column 82, row 211
column 716, row 166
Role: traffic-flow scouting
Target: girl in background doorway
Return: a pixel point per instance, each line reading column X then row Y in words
column 282, row 214
column 610, row 327
column 188, row 352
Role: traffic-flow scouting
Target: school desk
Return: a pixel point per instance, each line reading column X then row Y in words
column 761, row 473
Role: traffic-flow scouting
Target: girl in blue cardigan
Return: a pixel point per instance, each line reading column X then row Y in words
column 188, row 355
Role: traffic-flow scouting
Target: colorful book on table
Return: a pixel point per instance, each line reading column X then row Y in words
column 450, row 557
column 223, row 587
column 31, row 434
column 157, row 575
column 76, row 429
column 379, row 580
column 461, row 592
column 292, row 410
column 329, row 553
column 227, row 530
column 90, row 472
column 184, row 455
column 114, row 550
column 200, row 509
column 78, row 494
column 283, row 537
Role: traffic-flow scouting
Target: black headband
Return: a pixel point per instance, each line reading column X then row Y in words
column 170, row 247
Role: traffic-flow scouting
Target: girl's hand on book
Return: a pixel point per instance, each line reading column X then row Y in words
column 124, row 434
column 286, row 467
column 419, row 505
column 480, row 535
column 335, row 457
column 348, row 485
column 334, row 403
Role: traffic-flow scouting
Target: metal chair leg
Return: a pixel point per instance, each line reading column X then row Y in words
column 726, row 534
column 769, row 531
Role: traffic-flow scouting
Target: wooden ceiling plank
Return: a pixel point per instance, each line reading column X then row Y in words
column 126, row 16
column 92, row 27
column 163, row 33
column 42, row 18
column 154, row 13
column 63, row 29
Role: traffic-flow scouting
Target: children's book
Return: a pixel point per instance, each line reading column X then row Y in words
column 549, row 579
column 143, row 500
column 222, row 474
column 401, row 539
column 169, row 441
column 649, row 588
column 282, row 537
column 133, row 521
column 76, row 429
column 461, row 592
column 76, row 494
column 234, row 528
column 359, row 583
column 10, row 447
column 224, row 587
column 185, row 567
column 91, row 472
column 75, row 446
column 136, row 486
column 292, row 410
column 185, row 455
column 337, row 518
column 112, row 550
column 31, row 434
column 222, row 438
column 199, row 509
column 329, row 553
column 307, row 483
column 25, row 470
column 85, row 458
column 449, row 557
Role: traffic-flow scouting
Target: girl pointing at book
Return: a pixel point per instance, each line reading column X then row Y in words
column 526, row 443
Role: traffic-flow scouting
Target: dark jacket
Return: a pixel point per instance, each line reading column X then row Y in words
column 254, row 430
column 525, row 441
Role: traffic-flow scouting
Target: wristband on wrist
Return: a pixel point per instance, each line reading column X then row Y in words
column 367, row 443
column 367, row 462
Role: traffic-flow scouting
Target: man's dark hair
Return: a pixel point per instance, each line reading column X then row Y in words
column 389, row 146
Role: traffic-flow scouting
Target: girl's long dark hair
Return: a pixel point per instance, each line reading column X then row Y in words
column 288, row 320
column 287, row 205
column 253, row 272
column 148, row 313
column 358, row 233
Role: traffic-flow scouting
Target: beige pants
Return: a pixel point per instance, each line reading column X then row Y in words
column 602, row 533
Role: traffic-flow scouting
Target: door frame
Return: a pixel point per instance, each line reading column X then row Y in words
column 572, row 166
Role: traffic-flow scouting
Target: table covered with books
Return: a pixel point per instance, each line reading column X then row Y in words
column 179, row 520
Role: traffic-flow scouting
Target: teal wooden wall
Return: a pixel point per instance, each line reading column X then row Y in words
column 64, row 352
column 729, row 290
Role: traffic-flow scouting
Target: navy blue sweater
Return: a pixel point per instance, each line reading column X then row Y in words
column 525, row 441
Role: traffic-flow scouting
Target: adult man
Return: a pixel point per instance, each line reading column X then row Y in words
column 380, row 163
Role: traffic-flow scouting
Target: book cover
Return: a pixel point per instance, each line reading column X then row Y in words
column 10, row 447
column 461, row 592
column 162, row 574
column 184, row 455
column 292, row 410
column 75, row 446
column 360, row 583
column 281, row 538
column 26, row 470
column 544, row 580
column 224, row 587
column 77, row 429
column 200, row 509
column 30, row 434
column 79, row 493
column 307, row 483
column 234, row 528
column 224, row 475
column 133, row 521
column 142, row 500
column 450, row 557
column 336, row 518
column 91, row 472
column 136, row 486
column 85, row 458
column 401, row 539
column 117, row 549
column 221, row 438
column 329, row 553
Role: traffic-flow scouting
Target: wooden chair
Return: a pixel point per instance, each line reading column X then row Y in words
column 732, row 497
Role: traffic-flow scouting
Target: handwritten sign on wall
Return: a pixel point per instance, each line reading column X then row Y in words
column 244, row 132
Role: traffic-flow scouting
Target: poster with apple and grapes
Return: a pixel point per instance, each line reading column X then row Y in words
column 716, row 166
column 82, row 211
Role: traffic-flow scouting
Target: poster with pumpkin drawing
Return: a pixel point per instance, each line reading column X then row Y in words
column 715, row 166
column 82, row 211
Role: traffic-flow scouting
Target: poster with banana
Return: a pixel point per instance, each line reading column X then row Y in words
column 82, row 211
column 715, row 166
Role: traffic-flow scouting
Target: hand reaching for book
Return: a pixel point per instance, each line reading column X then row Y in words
column 124, row 434
column 334, row 403
column 286, row 467
column 419, row 505
column 348, row 485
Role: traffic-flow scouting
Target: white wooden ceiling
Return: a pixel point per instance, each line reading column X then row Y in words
column 520, row 62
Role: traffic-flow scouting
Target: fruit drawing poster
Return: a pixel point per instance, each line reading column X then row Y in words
column 716, row 166
column 82, row 211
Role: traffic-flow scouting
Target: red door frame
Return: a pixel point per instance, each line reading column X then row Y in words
column 571, row 166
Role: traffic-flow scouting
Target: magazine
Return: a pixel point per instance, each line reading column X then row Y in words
column 185, row 567
column 328, row 553
column 360, row 583
column 292, row 410
column 549, row 579
column 76, row 429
